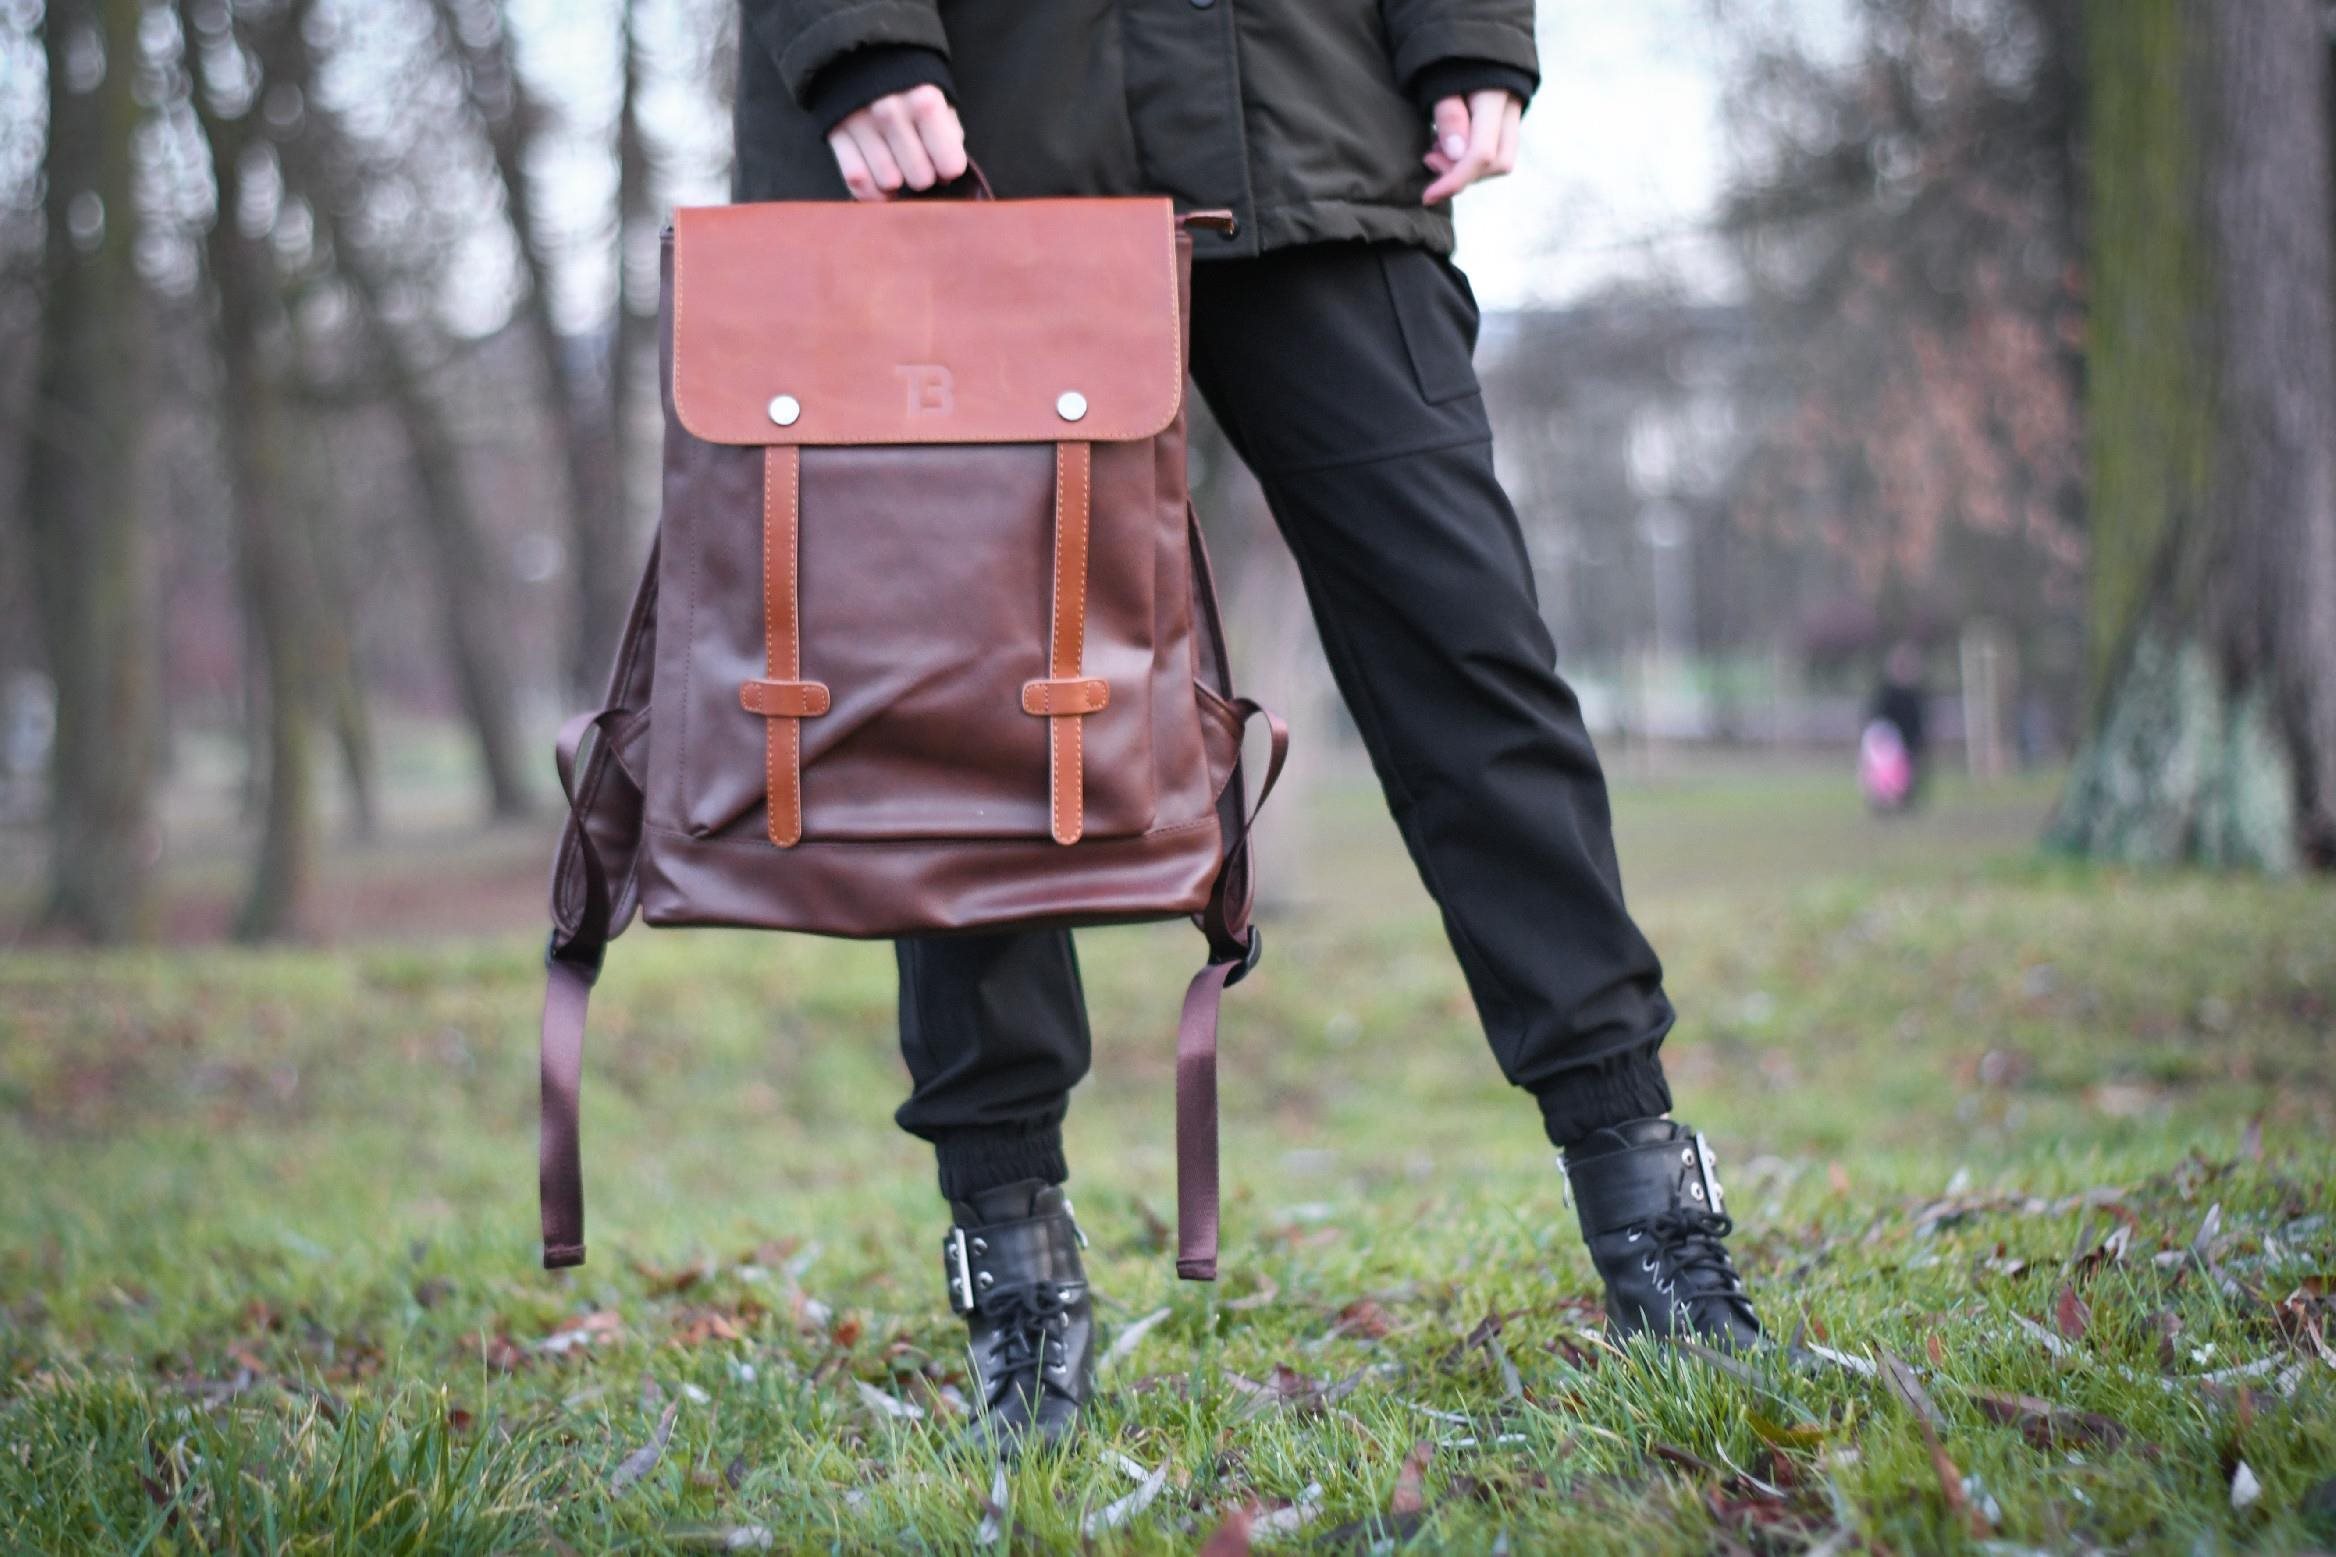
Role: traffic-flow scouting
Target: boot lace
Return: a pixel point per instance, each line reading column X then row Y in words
column 1031, row 1321
column 1690, row 1243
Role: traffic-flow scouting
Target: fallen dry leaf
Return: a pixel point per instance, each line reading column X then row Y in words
column 669, row 1283
column 1365, row 1319
column 1916, row 1399
column 1290, row 1517
column 497, row 1351
column 888, row 1405
column 1486, row 1328
column 2048, row 1426
column 581, row 1330
column 1267, row 1290
column 1114, row 1514
column 1902, row 1382
column 1409, row 1497
column 1131, row 1335
column 994, row 1509
column 2167, row 1324
column 1229, row 1539
column 706, row 1324
column 2071, row 1315
column 644, row 1459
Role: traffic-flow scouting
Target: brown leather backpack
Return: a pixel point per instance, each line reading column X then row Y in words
column 927, row 641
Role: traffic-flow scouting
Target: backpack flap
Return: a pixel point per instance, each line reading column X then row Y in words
column 832, row 323
column 941, row 401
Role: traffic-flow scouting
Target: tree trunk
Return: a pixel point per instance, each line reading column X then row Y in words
column 467, row 596
column 340, row 673
column 470, row 605
column 632, row 358
column 584, row 417
column 271, row 560
column 2213, row 426
column 90, row 550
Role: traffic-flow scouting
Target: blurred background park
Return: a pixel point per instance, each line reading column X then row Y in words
column 332, row 425
column 1996, row 337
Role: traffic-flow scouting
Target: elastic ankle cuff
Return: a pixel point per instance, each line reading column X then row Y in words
column 973, row 1162
column 1612, row 1091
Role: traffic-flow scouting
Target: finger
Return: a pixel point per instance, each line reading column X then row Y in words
column 941, row 130
column 1512, row 132
column 1451, row 122
column 861, row 127
column 1484, row 141
column 852, row 166
column 902, row 140
column 1486, row 113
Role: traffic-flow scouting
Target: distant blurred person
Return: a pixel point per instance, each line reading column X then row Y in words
column 1890, row 751
column 1332, row 338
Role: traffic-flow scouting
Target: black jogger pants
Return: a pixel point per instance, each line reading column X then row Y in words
column 1343, row 375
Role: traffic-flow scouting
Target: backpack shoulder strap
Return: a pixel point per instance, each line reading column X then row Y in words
column 1234, row 948
column 593, row 896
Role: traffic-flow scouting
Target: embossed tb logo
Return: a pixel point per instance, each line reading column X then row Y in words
column 931, row 391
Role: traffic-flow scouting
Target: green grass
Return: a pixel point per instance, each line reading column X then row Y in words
column 267, row 1280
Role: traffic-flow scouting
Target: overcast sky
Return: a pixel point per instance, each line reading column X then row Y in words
column 1625, row 152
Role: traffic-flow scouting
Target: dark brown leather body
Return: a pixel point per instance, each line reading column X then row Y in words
column 924, row 487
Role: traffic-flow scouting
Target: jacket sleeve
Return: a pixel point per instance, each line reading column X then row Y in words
column 806, row 36
column 1424, row 33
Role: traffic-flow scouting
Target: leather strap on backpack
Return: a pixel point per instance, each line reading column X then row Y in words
column 1234, row 948
column 783, row 698
column 1066, row 697
column 592, row 898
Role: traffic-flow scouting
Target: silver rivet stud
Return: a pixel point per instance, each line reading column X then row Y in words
column 785, row 409
column 1070, row 405
column 984, row 1279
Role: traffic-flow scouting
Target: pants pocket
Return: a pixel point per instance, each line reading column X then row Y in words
column 1436, row 312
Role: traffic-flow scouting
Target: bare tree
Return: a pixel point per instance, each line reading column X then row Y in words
column 91, row 551
column 2213, row 408
column 323, row 165
column 1907, row 218
column 581, row 391
column 277, row 584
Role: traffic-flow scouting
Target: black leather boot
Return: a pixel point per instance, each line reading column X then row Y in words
column 1012, row 1264
column 1651, row 1212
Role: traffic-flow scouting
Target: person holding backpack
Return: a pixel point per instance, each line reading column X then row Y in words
column 1332, row 337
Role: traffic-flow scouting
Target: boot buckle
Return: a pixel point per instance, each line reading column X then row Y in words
column 958, row 1267
column 1565, row 1183
column 1712, row 1198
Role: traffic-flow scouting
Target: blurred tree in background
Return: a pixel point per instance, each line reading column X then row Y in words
column 2213, row 405
column 1907, row 218
column 328, row 289
column 328, row 367
column 92, row 556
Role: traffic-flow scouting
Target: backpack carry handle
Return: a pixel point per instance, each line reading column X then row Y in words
column 972, row 184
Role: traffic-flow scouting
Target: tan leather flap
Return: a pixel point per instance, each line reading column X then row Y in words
column 930, row 321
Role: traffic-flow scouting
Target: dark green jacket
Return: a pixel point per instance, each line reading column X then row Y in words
column 1306, row 118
